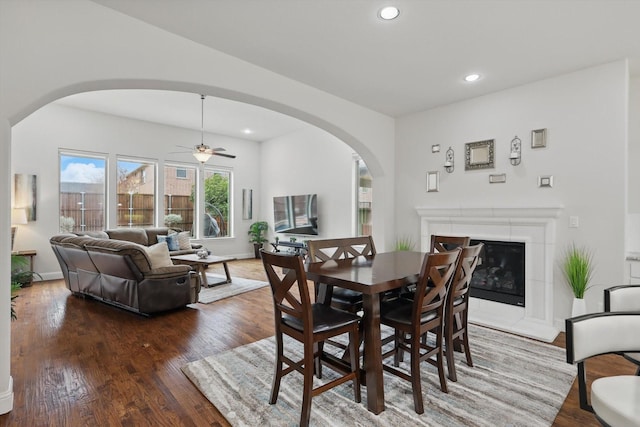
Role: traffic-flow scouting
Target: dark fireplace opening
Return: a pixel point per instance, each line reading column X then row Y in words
column 499, row 275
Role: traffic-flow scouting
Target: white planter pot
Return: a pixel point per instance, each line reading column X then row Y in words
column 579, row 307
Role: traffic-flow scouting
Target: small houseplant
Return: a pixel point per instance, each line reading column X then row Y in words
column 404, row 243
column 257, row 232
column 171, row 220
column 577, row 267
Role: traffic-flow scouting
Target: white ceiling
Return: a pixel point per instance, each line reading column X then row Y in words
column 411, row 64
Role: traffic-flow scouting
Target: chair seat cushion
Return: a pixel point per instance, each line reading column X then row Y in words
column 324, row 319
column 346, row 295
column 400, row 310
column 616, row 400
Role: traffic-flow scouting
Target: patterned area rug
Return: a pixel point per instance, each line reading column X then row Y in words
column 514, row 382
column 237, row 286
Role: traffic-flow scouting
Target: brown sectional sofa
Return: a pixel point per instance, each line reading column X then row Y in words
column 119, row 272
column 141, row 236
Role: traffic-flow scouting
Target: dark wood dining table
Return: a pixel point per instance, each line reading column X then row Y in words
column 373, row 276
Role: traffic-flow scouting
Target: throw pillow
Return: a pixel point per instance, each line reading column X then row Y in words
column 159, row 255
column 184, row 240
column 171, row 240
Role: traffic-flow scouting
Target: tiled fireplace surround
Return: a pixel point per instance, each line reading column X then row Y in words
column 536, row 227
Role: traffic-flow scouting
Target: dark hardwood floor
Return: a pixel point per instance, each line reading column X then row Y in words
column 78, row 362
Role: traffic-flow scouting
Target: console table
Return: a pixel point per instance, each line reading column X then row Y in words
column 27, row 254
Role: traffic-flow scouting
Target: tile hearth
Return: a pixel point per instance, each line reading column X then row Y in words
column 534, row 226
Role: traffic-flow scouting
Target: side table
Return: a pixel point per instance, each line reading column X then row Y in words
column 27, row 254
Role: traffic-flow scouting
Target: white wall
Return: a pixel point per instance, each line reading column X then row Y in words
column 633, row 208
column 585, row 116
column 310, row 161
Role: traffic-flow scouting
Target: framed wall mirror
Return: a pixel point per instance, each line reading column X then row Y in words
column 479, row 155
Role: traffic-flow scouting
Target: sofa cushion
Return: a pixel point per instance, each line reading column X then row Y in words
column 96, row 234
column 171, row 241
column 159, row 255
column 154, row 232
column 184, row 240
column 135, row 235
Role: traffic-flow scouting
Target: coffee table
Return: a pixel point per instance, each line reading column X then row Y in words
column 201, row 264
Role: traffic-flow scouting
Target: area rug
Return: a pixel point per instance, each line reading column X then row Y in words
column 514, row 382
column 237, row 286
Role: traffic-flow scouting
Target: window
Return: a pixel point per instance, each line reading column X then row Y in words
column 82, row 192
column 217, row 198
column 179, row 191
column 365, row 199
column 136, row 193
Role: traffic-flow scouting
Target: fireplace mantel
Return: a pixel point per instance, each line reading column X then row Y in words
column 536, row 227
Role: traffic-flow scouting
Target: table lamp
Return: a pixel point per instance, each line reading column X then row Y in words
column 18, row 217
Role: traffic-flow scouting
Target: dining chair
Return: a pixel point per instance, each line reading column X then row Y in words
column 613, row 399
column 322, row 250
column 457, row 308
column 310, row 324
column 347, row 247
column 413, row 318
column 624, row 298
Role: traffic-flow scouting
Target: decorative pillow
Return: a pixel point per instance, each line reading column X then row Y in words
column 159, row 255
column 171, row 240
column 183, row 240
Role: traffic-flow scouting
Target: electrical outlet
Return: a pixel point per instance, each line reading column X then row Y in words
column 574, row 222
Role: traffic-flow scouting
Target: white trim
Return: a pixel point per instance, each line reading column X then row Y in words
column 6, row 398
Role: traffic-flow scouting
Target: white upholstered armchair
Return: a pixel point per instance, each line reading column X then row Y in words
column 615, row 400
column 624, row 298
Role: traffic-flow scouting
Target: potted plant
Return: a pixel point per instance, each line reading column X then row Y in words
column 577, row 267
column 20, row 273
column 404, row 243
column 14, row 288
column 171, row 220
column 257, row 232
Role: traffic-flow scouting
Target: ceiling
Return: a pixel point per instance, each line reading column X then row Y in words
column 413, row 63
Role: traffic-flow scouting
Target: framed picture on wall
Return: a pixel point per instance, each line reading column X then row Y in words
column 25, row 191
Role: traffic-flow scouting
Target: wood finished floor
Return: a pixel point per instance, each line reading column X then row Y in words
column 78, row 362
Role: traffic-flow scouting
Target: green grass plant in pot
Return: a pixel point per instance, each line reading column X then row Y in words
column 257, row 232
column 577, row 267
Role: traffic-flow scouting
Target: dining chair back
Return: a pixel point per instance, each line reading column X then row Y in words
column 441, row 243
column 457, row 308
column 624, row 298
column 331, row 249
column 310, row 324
column 413, row 318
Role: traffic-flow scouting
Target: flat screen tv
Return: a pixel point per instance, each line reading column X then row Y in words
column 296, row 214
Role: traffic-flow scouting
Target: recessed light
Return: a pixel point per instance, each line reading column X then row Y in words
column 247, row 131
column 389, row 12
column 471, row 78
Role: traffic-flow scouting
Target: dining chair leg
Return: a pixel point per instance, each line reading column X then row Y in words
column 465, row 339
column 318, row 348
column 277, row 375
column 440, row 361
column 398, row 338
column 416, row 386
column 449, row 351
column 354, row 357
column 307, row 388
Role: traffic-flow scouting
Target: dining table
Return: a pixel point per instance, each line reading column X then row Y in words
column 373, row 276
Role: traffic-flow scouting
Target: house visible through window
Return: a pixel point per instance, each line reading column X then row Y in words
column 136, row 193
column 82, row 192
column 179, row 197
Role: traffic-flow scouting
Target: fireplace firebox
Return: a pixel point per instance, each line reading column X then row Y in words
column 500, row 274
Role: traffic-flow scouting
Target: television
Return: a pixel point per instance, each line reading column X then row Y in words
column 296, row 214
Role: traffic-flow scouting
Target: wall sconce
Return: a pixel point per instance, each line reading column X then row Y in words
column 448, row 162
column 516, row 151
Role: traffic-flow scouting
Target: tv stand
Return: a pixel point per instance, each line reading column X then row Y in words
column 298, row 248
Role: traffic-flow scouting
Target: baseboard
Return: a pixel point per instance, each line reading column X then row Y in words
column 6, row 399
column 49, row 276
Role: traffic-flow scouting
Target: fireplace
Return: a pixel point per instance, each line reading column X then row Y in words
column 500, row 275
column 532, row 228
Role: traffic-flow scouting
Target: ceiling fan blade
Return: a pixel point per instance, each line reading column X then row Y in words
column 231, row 156
column 182, row 146
column 178, row 152
column 218, row 149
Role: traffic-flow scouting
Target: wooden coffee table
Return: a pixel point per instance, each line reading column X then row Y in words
column 201, row 264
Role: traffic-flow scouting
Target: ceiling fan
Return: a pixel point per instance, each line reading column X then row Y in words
column 203, row 152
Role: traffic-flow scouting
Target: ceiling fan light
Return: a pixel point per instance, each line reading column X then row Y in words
column 201, row 156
